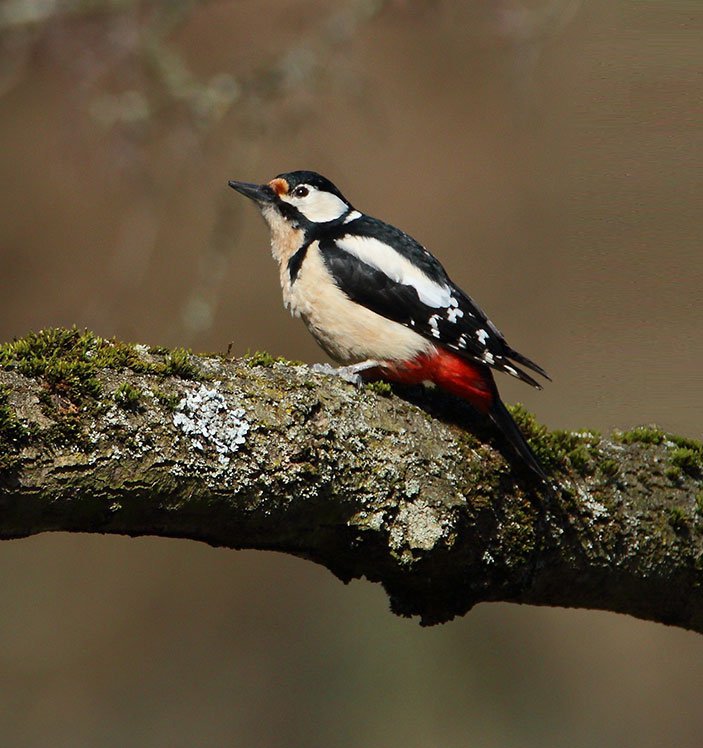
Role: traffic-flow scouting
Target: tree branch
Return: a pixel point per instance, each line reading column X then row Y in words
column 99, row 436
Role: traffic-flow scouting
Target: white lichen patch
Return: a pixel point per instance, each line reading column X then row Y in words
column 205, row 418
column 368, row 520
column 210, row 366
column 417, row 527
column 597, row 510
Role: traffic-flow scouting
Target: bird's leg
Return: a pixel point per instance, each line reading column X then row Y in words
column 355, row 373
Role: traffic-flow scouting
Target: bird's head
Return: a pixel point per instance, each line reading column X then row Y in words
column 303, row 199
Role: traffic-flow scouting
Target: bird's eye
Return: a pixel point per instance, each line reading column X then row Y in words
column 301, row 191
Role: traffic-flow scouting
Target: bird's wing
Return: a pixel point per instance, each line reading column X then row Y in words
column 416, row 292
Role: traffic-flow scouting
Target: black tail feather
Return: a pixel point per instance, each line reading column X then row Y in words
column 501, row 417
column 521, row 375
column 520, row 359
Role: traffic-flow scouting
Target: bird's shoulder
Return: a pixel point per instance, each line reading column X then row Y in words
column 395, row 241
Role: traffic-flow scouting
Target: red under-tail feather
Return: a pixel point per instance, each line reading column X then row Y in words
column 467, row 380
column 472, row 382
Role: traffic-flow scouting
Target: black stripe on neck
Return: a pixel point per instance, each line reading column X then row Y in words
column 296, row 261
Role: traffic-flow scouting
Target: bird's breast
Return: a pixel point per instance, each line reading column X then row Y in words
column 347, row 331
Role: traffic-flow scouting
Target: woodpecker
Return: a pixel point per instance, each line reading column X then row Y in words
column 374, row 298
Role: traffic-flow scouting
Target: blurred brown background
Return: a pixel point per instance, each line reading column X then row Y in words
column 549, row 152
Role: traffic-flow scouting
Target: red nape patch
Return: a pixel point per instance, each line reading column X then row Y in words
column 469, row 381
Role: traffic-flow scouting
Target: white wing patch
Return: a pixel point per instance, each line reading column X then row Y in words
column 384, row 258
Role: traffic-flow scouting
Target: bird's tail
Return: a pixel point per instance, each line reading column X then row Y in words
column 501, row 417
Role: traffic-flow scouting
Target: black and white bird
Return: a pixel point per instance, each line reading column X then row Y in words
column 374, row 297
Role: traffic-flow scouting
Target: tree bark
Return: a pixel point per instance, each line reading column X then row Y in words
column 406, row 488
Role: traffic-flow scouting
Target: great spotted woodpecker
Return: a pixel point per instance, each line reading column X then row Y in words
column 374, row 297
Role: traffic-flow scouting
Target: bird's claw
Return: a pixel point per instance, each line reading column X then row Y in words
column 351, row 374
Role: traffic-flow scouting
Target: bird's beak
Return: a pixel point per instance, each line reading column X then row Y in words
column 259, row 193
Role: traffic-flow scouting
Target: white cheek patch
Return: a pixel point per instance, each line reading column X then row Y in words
column 318, row 207
column 384, row 258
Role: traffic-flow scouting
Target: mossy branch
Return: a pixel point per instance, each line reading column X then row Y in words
column 407, row 489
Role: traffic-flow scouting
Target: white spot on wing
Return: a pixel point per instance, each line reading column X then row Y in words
column 383, row 257
column 433, row 320
column 453, row 313
column 482, row 336
column 352, row 216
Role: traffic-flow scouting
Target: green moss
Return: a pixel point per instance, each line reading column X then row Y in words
column 158, row 350
column 13, row 433
column 70, row 359
column 469, row 440
column 608, row 467
column 262, row 358
column 699, row 503
column 557, row 450
column 69, row 362
column 688, row 460
column 67, row 428
column 677, row 518
column 178, row 363
column 519, row 537
column 549, row 454
column 169, row 400
column 642, row 435
column 673, row 473
column 380, row 388
column 60, row 357
column 128, row 396
column 687, row 443
column 581, row 459
column 686, row 457
column 58, row 352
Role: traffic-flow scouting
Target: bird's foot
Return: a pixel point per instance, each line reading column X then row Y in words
column 352, row 374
